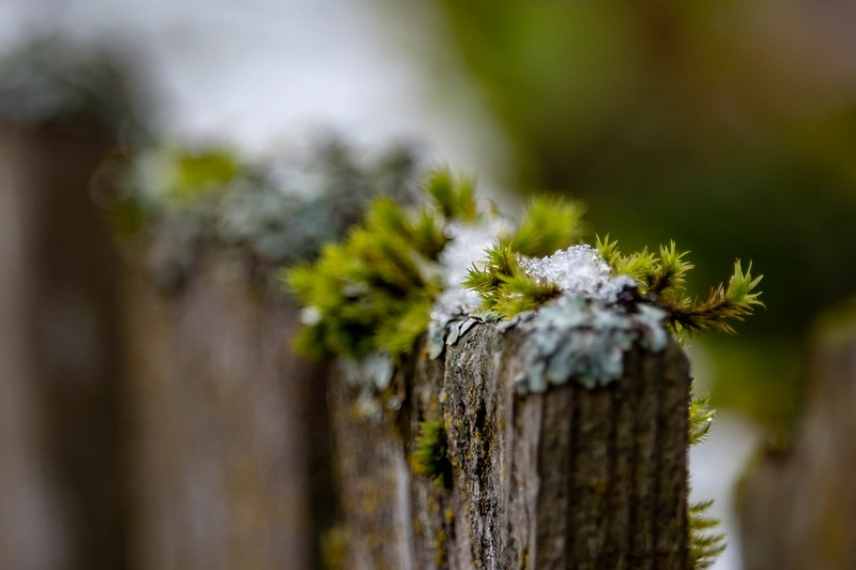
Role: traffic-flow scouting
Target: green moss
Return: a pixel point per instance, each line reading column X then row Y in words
column 372, row 292
column 661, row 278
column 504, row 287
column 705, row 543
column 194, row 174
column 455, row 197
column 701, row 419
column 430, row 453
column 549, row 224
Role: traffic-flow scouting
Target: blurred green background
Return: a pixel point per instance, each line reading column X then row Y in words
column 728, row 127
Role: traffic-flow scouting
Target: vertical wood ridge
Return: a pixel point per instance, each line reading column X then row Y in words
column 573, row 456
column 658, row 463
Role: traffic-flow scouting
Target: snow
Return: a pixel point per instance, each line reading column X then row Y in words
column 579, row 271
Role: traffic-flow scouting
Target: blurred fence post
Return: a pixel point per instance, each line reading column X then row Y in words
column 231, row 427
column 62, row 355
column 569, row 478
column 797, row 503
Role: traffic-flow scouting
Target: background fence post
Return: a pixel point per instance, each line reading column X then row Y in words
column 231, row 426
column 796, row 499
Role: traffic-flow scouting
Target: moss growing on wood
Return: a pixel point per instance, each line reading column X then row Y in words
column 430, row 453
column 374, row 291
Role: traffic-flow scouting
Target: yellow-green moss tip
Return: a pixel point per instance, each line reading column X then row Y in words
column 549, row 224
column 454, row 196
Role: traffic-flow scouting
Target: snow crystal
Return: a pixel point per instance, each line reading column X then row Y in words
column 579, row 271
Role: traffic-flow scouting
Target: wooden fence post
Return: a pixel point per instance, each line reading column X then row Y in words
column 66, row 345
column 63, row 109
column 230, row 424
column 571, row 477
column 797, row 503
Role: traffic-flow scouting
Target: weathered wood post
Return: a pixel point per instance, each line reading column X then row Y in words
column 572, row 476
column 797, row 502
column 228, row 422
column 232, row 455
column 63, row 499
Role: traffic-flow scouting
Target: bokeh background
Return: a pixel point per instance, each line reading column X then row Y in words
column 729, row 127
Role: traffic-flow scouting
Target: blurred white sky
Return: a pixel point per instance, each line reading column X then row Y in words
column 257, row 71
column 261, row 73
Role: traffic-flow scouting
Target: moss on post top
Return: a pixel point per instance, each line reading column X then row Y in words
column 446, row 266
column 278, row 211
column 50, row 80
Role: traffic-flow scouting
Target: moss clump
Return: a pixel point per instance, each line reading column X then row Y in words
column 660, row 277
column 455, row 197
column 374, row 291
column 549, row 224
column 430, row 453
column 504, row 287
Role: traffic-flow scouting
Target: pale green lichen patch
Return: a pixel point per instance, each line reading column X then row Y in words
column 585, row 341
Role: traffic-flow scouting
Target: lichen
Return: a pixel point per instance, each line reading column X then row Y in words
column 585, row 340
column 280, row 211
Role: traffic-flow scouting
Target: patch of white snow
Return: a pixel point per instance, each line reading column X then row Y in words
column 579, row 271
